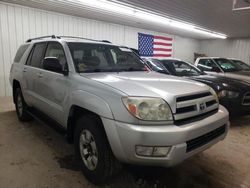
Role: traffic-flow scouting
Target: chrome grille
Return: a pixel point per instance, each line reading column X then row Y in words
column 246, row 99
column 190, row 106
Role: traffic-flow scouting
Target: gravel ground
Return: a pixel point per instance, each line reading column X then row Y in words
column 35, row 155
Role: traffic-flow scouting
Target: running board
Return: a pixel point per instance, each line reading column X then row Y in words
column 46, row 120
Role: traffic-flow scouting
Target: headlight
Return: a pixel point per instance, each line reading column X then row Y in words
column 228, row 94
column 214, row 94
column 148, row 108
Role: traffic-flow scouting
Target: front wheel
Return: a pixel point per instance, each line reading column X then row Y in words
column 92, row 148
column 21, row 106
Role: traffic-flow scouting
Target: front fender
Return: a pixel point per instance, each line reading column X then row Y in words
column 92, row 103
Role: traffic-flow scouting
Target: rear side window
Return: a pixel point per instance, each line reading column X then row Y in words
column 20, row 52
column 36, row 55
column 207, row 65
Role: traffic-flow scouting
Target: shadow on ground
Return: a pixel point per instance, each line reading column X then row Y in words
column 212, row 168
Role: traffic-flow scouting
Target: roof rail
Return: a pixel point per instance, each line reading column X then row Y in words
column 49, row 36
column 106, row 41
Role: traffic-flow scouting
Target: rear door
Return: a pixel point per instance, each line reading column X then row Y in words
column 31, row 72
column 52, row 87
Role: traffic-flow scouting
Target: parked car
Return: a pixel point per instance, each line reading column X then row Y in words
column 244, row 66
column 111, row 107
column 233, row 94
column 222, row 67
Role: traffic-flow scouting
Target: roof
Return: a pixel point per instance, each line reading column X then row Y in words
column 211, row 57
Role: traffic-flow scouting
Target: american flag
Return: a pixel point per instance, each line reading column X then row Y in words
column 154, row 46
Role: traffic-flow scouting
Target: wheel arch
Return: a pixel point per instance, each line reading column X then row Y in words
column 86, row 103
column 16, row 84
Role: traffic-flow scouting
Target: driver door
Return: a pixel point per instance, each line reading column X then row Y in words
column 53, row 87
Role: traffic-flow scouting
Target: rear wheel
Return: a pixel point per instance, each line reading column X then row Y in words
column 21, row 106
column 92, row 148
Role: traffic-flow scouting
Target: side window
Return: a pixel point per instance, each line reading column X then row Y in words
column 180, row 66
column 208, row 65
column 157, row 66
column 20, row 52
column 36, row 55
column 148, row 64
column 55, row 49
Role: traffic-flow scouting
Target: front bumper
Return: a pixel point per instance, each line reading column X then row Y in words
column 123, row 138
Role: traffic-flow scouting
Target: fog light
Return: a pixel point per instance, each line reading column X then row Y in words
column 144, row 150
column 150, row 151
column 161, row 151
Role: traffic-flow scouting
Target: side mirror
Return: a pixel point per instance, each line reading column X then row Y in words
column 53, row 64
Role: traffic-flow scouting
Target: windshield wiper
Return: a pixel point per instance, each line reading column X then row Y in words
column 92, row 70
column 129, row 69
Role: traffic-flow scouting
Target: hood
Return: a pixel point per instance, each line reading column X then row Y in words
column 221, row 82
column 149, row 84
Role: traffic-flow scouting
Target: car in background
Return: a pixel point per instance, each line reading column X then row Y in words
column 233, row 94
column 222, row 67
column 135, row 51
column 244, row 66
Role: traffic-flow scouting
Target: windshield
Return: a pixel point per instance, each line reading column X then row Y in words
column 243, row 65
column 180, row 68
column 227, row 65
column 89, row 57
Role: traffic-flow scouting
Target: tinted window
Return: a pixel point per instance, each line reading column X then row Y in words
column 104, row 58
column 20, row 52
column 157, row 66
column 208, row 65
column 55, row 50
column 242, row 65
column 227, row 65
column 36, row 55
column 180, row 68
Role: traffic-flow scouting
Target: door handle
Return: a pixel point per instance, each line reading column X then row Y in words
column 24, row 70
column 40, row 75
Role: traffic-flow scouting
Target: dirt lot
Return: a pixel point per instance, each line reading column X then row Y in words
column 35, row 155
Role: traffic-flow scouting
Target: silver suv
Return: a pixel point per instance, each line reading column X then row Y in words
column 112, row 107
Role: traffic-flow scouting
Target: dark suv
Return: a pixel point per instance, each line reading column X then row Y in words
column 232, row 93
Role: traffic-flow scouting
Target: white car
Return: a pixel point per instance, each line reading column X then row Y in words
column 222, row 67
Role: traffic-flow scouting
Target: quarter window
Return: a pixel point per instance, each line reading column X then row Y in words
column 20, row 52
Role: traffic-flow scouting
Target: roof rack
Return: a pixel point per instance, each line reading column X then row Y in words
column 49, row 36
column 106, row 41
column 58, row 37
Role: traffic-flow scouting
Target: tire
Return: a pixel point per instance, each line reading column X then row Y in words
column 102, row 163
column 21, row 106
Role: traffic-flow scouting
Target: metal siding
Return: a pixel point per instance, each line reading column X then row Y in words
column 2, row 73
column 184, row 48
column 18, row 23
column 231, row 48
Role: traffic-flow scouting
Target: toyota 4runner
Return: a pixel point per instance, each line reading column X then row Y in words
column 112, row 107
